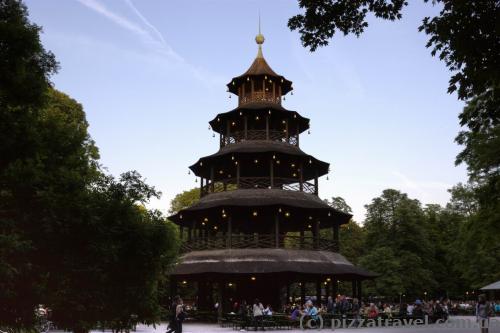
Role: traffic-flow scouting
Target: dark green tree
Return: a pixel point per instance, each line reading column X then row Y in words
column 184, row 200
column 395, row 222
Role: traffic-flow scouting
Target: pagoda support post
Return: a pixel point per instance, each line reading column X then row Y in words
column 327, row 289
column 303, row 291
column 301, row 239
column 359, row 291
column 181, row 231
column 267, row 127
column 318, row 292
column 354, row 288
column 245, row 120
column 229, row 232
column 316, row 189
column 287, row 132
column 252, row 89
column 287, row 292
column 212, row 184
column 173, row 287
column 316, row 234
column 201, row 187
column 279, row 92
column 237, row 175
column 336, row 244
column 335, row 287
column 297, row 133
column 274, row 92
column 271, row 173
column 277, row 230
column 301, row 174
column 228, row 130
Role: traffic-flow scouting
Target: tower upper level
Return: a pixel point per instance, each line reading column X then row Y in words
column 259, row 83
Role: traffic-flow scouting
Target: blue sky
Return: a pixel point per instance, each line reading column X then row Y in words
column 151, row 74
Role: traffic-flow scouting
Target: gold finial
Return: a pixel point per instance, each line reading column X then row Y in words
column 259, row 39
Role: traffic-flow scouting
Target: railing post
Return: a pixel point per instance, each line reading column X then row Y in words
column 287, row 133
column 301, row 239
column 277, row 230
column 201, row 187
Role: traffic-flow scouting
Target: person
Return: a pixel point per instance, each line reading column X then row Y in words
column 355, row 311
column 257, row 314
column 268, row 311
column 387, row 311
column 409, row 309
column 180, row 315
column 373, row 311
column 483, row 312
column 330, row 305
column 172, row 326
column 295, row 315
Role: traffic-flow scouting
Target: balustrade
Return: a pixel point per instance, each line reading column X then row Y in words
column 258, row 241
column 228, row 184
column 273, row 135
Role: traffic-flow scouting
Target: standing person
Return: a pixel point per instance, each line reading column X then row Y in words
column 257, row 314
column 483, row 312
column 172, row 325
column 330, row 305
column 355, row 311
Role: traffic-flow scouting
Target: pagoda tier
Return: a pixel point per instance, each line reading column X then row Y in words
column 259, row 121
column 272, row 162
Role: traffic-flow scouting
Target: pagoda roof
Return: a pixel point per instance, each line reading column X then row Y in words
column 259, row 67
column 260, row 107
column 262, row 146
column 301, row 205
column 268, row 260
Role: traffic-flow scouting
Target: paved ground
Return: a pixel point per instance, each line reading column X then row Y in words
column 212, row 328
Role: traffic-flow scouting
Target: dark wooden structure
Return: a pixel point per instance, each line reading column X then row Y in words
column 256, row 230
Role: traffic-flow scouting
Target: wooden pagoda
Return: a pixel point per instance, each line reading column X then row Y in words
column 255, row 231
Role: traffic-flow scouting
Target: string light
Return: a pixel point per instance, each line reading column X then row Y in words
column 269, row 112
column 205, row 219
column 254, row 214
column 215, row 227
column 257, row 118
column 253, row 278
column 287, row 214
column 180, row 216
column 256, row 161
column 279, row 210
column 189, row 172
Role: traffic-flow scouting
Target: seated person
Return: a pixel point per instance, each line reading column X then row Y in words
column 268, row 310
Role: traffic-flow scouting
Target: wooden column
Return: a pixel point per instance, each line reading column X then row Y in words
column 277, row 230
column 274, row 92
column 173, row 287
column 318, row 293
column 303, row 292
column 279, row 92
column 252, row 88
column 359, row 291
column 316, row 189
column 297, row 133
column 354, row 288
column 212, row 184
column 245, row 119
column 181, row 231
column 336, row 237
column 229, row 232
column 316, row 234
column 271, row 173
column 228, row 130
column 301, row 176
column 287, row 132
column 335, row 286
column 237, row 175
column 287, row 291
column 201, row 187
column 267, row 127
column 327, row 289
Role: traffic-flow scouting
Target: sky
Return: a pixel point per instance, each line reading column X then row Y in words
column 150, row 74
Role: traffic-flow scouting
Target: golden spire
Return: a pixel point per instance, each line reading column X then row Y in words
column 259, row 39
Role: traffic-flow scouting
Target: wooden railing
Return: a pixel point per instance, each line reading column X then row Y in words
column 272, row 135
column 288, row 184
column 260, row 96
column 258, row 241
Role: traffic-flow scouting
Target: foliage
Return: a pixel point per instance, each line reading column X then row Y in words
column 339, row 204
column 25, row 65
column 71, row 237
column 184, row 200
column 395, row 221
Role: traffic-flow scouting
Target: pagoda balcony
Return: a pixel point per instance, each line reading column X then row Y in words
column 279, row 136
column 288, row 184
column 260, row 96
column 203, row 242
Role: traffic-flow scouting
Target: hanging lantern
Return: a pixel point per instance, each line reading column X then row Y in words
column 229, row 95
column 287, row 214
column 279, row 210
column 189, row 172
column 269, row 112
column 308, row 131
column 291, row 93
column 327, row 178
column 248, row 78
column 213, row 135
column 241, row 113
column 196, row 180
column 254, row 213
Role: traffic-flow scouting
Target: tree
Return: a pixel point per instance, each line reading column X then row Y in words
column 71, row 237
column 25, row 66
column 184, row 200
column 395, row 221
